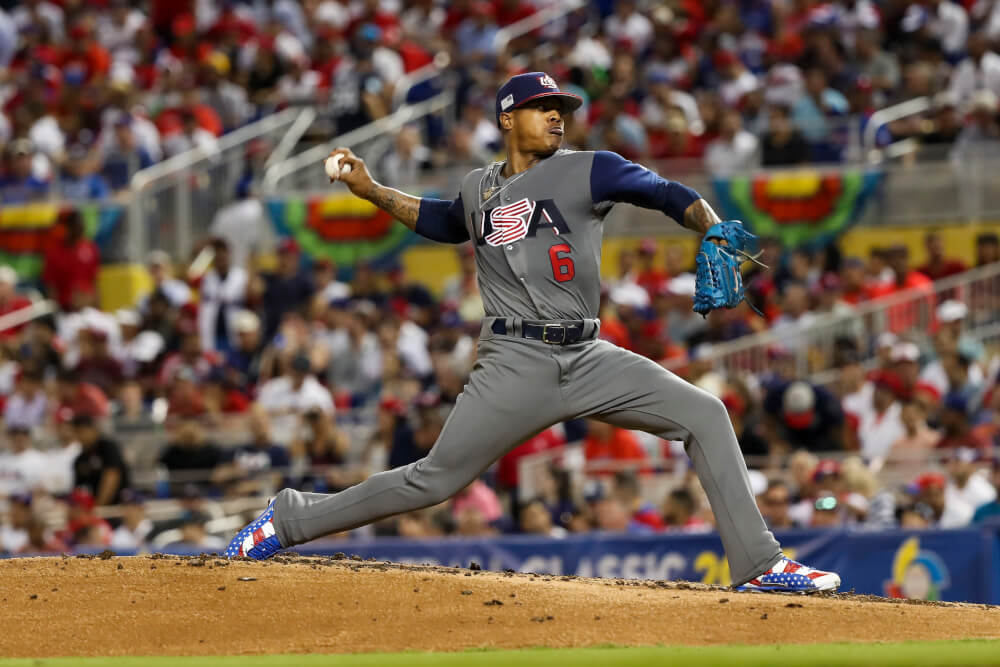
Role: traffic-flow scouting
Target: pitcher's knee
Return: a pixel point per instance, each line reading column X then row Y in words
column 432, row 485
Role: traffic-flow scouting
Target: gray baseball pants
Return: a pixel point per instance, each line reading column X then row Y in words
column 519, row 387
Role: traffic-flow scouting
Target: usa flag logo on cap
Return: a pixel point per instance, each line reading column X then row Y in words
column 547, row 81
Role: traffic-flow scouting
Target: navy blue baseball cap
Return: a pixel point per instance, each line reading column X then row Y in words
column 531, row 86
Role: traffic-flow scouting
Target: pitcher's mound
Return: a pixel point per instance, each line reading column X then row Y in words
column 164, row 605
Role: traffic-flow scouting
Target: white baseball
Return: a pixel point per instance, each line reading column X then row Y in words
column 332, row 166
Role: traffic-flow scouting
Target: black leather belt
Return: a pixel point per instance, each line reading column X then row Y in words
column 553, row 333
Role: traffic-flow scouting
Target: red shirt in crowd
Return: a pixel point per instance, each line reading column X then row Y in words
column 508, row 467
column 71, row 267
column 621, row 446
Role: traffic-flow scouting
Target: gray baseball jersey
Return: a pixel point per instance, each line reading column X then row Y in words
column 537, row 239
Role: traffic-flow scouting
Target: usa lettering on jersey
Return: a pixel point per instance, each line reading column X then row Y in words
column 522, row 219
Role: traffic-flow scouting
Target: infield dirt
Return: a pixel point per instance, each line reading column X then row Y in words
column 164, row 605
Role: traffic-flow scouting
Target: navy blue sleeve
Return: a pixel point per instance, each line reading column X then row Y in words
column 442, row 220
column 613, row 178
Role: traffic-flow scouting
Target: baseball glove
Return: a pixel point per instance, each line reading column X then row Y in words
column 718, row 281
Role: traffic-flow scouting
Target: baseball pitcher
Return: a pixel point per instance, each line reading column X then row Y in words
column 536, row 222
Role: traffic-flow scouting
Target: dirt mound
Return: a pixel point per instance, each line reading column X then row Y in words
column 163, row 605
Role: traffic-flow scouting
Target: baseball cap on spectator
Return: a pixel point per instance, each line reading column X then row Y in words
column 797, row 404
column 930, row 480
column 63, row 415
column 886, row 339
column 965, row 455
column 128, row 318
column 630, row 295
column 905, row 352
column 683, row 284
column 8, row 276
column 245, row 321
column 393, row 405
column 288, row 245
column 890, row 381
column 21, row 499
column 952, row 310
column 195, row 517
column 531, row 86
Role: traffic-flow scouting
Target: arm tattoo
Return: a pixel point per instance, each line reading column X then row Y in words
column 399, row 205
column 699, row 216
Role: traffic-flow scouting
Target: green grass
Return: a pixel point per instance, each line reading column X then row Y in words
column 909, row 654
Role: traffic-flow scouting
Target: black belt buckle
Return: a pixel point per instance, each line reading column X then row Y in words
column 552, row 341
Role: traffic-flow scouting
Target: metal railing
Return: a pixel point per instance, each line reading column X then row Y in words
column 174, row 201
column 304, row 171
column 909, row 314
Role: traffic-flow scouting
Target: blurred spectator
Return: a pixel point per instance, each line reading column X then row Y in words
column 14, row 531
column 938, row 265
column 979, row 70
column 628, row 492
column 680, row 513
column 191, row 459
column 160, row 270
column 734, row 151
column 990, row 512
column 611, row 516
column 968, row 481
column 22, row 467
column 918, row 438
column 243, row 362
column 28, row 406
column 956, row 429
column 949, row 511
column 18, row 184
column 84, row 529
column 535, row 519
column 882, row 424
column 296, row 392
column 223, row 291
column 774, row 504
column 121, row 152
column 258, row 467
column 100, row 468
column 287, row 290
column 78, row 180
column 782, row 144
column 194, row 537
column 480, row 496
column 610, row 445
column 135, row 529
column 71, row 263
column 803, row 416
column 96, row 366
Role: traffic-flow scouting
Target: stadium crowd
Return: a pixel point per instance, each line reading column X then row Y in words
column 251, row 380
column 92, row 91
column 294, row 377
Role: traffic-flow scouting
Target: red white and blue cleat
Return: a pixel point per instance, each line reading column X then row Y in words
column 258, row 540
column 788, row 576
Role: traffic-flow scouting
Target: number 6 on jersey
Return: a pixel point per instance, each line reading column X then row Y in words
column 562, row 266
